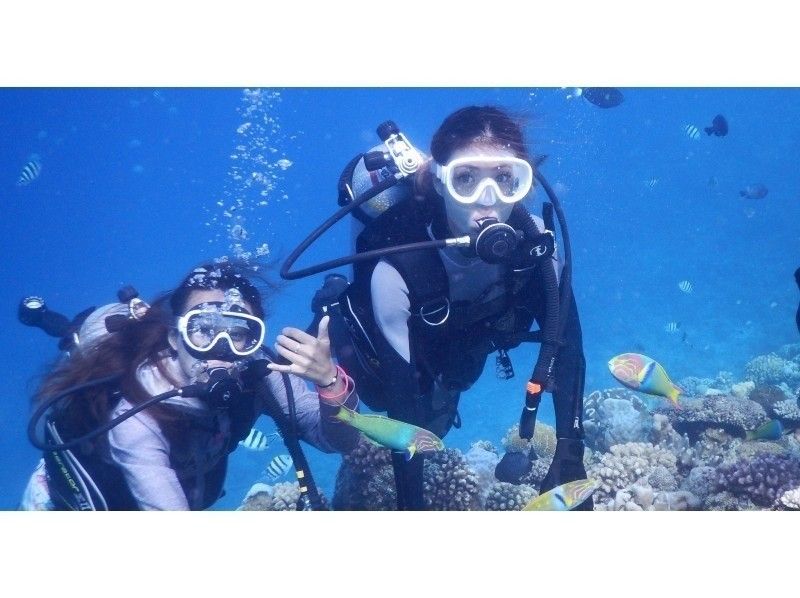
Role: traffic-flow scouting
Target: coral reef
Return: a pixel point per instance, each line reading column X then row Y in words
column 742, row 390
column 791, row 499
column 537, row 473
column 643, row 497
column 365, row 480
column 725, row 501
column 543, row 441
column 503, row 496
column 733, row 415
column 664, row 435
column 767, row 396
column 787, row 411
column 701, row 481
column 698, row 387
column 280, row 497
column 449, row 483
column 662, row 479
column 761, row 480
column 626, row 464
column 614, row 416
column 714, row 447
column 772, row 369
column 482, row 458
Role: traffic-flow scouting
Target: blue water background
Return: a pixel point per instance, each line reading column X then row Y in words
column 131, row 181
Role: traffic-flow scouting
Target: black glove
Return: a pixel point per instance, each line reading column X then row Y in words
column 567, row 466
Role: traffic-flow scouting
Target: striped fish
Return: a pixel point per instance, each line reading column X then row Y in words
column 257, row 441
column 565, row 497
column 30, row 172
column 672, row 327
column 278, row 466
column 685, row 286
column 692, row 132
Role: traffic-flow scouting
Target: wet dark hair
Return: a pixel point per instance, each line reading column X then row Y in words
column 482, row 125
column 222, row 276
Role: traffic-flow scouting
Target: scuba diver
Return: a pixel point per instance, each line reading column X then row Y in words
column 450, row 267
column 151, row 400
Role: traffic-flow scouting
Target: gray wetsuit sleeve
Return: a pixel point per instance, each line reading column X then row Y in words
column 391, row 307
column 315, row 419
column 141, row 451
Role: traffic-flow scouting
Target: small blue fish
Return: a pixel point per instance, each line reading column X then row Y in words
column 692, row 132
column 686, row 286
column 772, row 430
column 30, row 172
column 279, row 466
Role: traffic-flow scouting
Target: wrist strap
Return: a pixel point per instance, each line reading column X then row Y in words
column 339, row 373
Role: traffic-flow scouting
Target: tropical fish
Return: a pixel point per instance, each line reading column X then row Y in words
column 757, row 191
column 672, row 327
column 639, row 372
column 651, row 183
column 719, row 126
column 513, row 467
column 278, row 467
column 603, row 97
column 392, row 433
column 685, row 286
column 692, row 132
column 772, row 430
column 30, row 172
column 257, row 441
column 564, row 497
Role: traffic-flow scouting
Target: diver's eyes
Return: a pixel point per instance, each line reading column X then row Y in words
column 464, row 179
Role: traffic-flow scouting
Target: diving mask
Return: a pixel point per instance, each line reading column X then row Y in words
column 205, row 325
column 466, row 178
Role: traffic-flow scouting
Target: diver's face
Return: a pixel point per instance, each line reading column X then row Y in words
column 467, row 218
column 190, row 365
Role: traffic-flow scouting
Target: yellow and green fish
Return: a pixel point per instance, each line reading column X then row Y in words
column 639, row 372
column 772, row 430
column 392, row 433
column 564, row 497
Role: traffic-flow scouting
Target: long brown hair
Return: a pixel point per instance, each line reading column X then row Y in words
column 137, row 342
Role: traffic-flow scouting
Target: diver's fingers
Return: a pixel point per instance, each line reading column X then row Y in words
column 300, row 361
column 301, row 336
column 322, row 331
column 276, row 367
column 294, row 346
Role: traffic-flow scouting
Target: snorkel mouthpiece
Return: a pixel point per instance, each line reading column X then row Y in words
column 496, row 241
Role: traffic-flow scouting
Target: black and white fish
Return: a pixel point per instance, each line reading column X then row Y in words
column 757, row 191
column 692, row 132
column 672, row 327
column 685, row 286
column 31, row 171
column 719, row 126
column 257, row 441
column 278, row 466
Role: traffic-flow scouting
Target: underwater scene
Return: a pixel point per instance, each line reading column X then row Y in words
column 682, row 208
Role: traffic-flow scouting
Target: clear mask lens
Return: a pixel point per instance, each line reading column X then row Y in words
column 467, row 178
column 202, row 328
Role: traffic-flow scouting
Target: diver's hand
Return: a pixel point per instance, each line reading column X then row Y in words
column 309, row 357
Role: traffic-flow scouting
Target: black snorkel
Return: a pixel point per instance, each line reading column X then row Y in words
column 217, row 393
column 403, row 160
